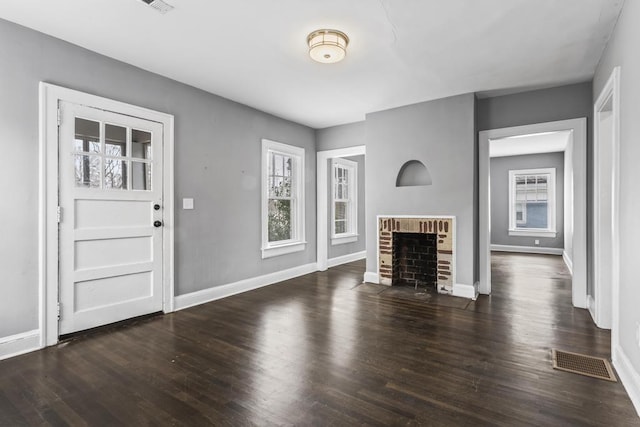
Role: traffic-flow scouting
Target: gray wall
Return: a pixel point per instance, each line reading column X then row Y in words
column 441, row 134
column 349, row 135
column 500, row 167
column 359, row 245
column 622, row 50
column 217, row 162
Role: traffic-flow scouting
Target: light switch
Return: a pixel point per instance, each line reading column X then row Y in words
column 187, row 203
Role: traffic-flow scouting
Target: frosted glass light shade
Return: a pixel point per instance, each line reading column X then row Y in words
column 327, row 46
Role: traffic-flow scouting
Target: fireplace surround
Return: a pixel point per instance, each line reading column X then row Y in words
column 441, row 227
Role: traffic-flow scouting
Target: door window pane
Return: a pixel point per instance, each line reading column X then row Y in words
column 140, row 176
column 140, row 144
column 87, row 171
column 115, row 174
column 115, row 141
column 87, row 136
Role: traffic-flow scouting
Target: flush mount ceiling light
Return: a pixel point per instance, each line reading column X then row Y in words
column 327, row 46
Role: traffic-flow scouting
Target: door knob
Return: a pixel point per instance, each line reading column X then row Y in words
column 157, row 223
column 156, row 207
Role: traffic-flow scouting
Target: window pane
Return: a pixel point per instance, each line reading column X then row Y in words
column 536, row 215
column 87, row 136
column 279, row 221
column 140, row 176
column 115, row 174
column 288, row 166
column 531, row 180
column 278, row 165
column 115, row 141
column 286, row 187
column 276, row 185
column 140, row 144
column 341, row 227
column 341, row 210
column 87, row 171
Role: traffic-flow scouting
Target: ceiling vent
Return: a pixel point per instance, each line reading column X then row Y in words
column 159, row 5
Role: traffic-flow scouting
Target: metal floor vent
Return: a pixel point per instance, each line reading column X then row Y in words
column 596, row 367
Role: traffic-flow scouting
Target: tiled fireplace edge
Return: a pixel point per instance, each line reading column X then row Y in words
column 442, row 225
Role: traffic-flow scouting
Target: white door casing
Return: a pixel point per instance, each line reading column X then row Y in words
column 50, row 97
column 110, row 180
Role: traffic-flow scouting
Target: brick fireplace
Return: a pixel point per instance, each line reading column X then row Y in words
column 404, row 241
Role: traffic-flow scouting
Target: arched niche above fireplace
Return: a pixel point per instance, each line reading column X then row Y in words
column 413, row 173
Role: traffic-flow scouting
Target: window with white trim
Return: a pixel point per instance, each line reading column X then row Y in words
column 532, row 207
column 344, row 206
column 282, row 199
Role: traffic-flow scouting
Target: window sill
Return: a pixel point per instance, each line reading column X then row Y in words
column 532, row 233
column 283, row 249
column 341, row 239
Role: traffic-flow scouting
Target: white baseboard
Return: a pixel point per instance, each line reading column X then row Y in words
column 371, row 277
column 591, row 306
column 527, row 249
column 629, row 377
column 223, row 291
column 465, row 291
column 356, row 256
column 568, row 262
column 15, row 345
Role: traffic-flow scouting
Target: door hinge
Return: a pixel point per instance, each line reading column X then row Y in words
column 59, row 214
column 59, row 116
column 59, row 308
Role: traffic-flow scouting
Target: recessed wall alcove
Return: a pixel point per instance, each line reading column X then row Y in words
column 413, row 173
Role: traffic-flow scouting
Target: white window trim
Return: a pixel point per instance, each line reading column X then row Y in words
column 550, row 231
column 352, row 214
column 298, row 243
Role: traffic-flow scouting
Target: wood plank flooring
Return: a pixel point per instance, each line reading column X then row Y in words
column 315, row 351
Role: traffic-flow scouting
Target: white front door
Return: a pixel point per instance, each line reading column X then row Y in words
column 110, row 184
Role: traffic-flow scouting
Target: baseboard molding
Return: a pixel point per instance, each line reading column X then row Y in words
column 223, row 291
column 591, row 306
column 356, row 256
column 371, row 277
column 465, row 291
column 629, row 377
column 527, row 249
column 15, row 345
column 568, row 262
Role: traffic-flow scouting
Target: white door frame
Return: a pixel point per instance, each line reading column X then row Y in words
column 610, row 92
column 48, row 254
column 579, row 156
column 322, row 206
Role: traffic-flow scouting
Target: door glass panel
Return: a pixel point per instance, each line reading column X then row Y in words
column 87, row 136
column 115, row 141
column 140, row 144
column 115, row 174
column 87, row 171
column 140, row 176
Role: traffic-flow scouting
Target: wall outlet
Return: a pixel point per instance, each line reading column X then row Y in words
column 536, row 242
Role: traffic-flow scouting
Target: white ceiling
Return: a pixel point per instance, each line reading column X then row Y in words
column 401, row 51
column 547, row 142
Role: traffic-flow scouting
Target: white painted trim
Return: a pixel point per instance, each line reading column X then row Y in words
column 298, row 242
column 15, row 345
column 591, row 303
column 352, row 214
column 568, row 262
column 322, row 194
column 611, row 91
column 514, row 230
column 629, row 377
column 527, row 249
column 356, row 256
column 370, row 277
column 223, row 291
column 48, row 255
column 465, row 291
column 579, row 144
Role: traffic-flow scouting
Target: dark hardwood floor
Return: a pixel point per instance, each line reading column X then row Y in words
column 315, row 351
